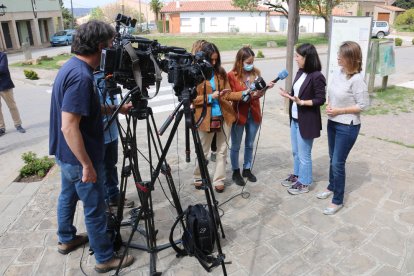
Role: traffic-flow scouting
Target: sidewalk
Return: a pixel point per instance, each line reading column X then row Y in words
column 268, row 233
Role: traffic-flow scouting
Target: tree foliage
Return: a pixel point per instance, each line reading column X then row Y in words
column 67, row 16
column 156, row 6
column 320, row 8
column 109, row 12
column 97, row 14
column 404, row 4
column 407, row 18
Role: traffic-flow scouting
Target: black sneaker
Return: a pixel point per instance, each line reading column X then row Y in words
column 20, row 129
column 237, row 178
column 2, row 131
column 248, row 173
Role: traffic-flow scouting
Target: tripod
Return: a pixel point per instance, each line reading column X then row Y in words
column 144, row 188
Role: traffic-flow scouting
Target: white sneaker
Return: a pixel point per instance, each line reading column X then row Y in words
column 324, row 194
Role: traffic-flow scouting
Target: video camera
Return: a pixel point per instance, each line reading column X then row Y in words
column 136, row 61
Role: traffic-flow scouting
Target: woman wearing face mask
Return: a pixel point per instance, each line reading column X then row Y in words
column 219, row 116
column 307, row 95
column 248, row 115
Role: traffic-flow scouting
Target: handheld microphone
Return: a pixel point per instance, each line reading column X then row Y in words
column 281, row 76
column 258, row 84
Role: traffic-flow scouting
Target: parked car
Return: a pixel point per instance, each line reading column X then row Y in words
column 380, row 29
column 64, row 37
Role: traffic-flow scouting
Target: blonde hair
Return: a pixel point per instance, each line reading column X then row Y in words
column 351, row 52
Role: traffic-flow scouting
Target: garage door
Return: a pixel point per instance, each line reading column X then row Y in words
column 383, row 16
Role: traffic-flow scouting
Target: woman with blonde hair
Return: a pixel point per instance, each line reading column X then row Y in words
column 347, row 97
column 248, row 115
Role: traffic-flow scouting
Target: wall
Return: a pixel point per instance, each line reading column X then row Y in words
column 219, row 22
column 26, row 5
column 307, row 24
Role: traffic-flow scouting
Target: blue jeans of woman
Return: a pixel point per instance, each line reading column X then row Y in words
column 92, row 197
column 236, row 138
column 111, row 172
column 302, row 154
column 341, row 139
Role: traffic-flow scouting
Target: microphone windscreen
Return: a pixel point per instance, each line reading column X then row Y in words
column 282, row 75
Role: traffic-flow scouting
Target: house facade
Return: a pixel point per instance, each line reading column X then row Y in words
column 31, row 21
column 223, row 17
column 212, row 17
column 387, row 13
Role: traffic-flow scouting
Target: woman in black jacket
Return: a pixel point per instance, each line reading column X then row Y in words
column 308, row 94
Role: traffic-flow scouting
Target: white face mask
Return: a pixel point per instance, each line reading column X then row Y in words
column 248, row 67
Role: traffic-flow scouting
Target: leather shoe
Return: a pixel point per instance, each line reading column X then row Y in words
column 219, row 188
column 20, row 129
column 113, row 264
column 66, row 248
column 237, row 178
column 248, row 173
column 332, row 210
column 324, row 194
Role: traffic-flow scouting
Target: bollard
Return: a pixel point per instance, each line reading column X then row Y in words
column 27, row 51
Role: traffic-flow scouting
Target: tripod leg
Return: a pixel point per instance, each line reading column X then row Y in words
column 211, row 201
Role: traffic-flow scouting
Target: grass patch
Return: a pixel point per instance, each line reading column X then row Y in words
column 392, row 100
column 227, row 42
column 45, row 64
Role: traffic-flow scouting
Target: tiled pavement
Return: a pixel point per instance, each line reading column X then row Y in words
column 268, row 233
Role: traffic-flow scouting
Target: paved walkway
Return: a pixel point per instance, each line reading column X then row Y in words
column 268, row 233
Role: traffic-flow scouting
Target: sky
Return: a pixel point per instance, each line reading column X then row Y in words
column 87, row 3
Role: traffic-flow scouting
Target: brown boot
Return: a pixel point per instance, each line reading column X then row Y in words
column 66, row 248
column 113, row 264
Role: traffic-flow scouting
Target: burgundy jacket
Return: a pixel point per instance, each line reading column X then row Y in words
column 309, row 117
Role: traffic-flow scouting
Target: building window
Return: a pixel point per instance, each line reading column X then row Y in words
column 367, row 14
column 213, row 21
column 232, row 21
column 185, row 22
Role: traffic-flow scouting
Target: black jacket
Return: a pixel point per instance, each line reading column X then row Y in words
column 5, row 80
column 309, row 117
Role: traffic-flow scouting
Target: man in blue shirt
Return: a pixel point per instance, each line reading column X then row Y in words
column 76, row 139
column 109, row 103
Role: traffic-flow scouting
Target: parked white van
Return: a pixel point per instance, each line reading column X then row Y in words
column 380, row 29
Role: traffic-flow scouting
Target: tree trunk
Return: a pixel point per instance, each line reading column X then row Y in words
column 293, row 34
column 329, row 6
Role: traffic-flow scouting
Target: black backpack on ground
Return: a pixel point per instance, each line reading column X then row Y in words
column 199, row 236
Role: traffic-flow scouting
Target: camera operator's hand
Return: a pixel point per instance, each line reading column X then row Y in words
column 125, row 108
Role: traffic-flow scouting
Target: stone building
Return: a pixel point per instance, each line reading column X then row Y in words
column 30, row 21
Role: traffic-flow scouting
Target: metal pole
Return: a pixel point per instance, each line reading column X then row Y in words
column 123, row 7
column 71, row 8
column 139, row 17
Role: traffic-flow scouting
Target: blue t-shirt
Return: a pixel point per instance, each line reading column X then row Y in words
column 111, row 133
column 215, row 104
column 74, row 92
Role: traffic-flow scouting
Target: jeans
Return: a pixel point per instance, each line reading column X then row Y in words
column 236, row 137
column 111, row 172
column 92, row 197
column 302, row 154
column 341, row 139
